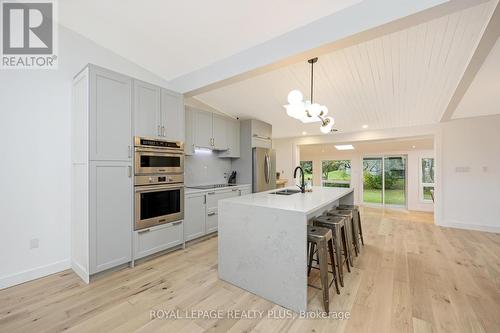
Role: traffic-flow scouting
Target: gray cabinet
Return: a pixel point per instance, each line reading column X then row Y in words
column 158, row 238
column 219, row 134
column 110, row 215
column 245, row 191
column 213, row 131
column 212, row 206
column 189, row 144
column 101, row 177
column 233, row 139
column 201, row 215
column 202, row 129
column 147, row 117
column 172, row 115
column 110, row 115
column 158, row 112
column 194, row 216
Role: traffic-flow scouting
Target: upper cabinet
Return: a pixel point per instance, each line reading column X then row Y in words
column 172, row 115
column 213, row 131
column 147, row 110
column 233, row 139
column 219, row 135
column 158, row 112
column 261, row 134
column 202, row 129
column 110, row 116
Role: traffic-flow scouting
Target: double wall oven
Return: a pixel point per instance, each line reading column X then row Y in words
column 159, row 182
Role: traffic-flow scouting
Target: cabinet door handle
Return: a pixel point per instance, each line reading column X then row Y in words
column 129, row 171
column 143, row 231
column 129, row 151
column 159, row 130
column 177, row 223
column 163, row 131
column 211, row 214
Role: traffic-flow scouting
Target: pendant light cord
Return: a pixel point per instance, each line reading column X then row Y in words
column 312, row 81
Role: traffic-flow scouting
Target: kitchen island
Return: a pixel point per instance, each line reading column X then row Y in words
column 263, row 241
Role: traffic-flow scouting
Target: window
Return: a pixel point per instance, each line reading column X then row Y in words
column 307, row 166
column 427, row 179
column 336, row 173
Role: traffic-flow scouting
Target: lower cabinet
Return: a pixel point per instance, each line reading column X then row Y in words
column 201, row 215
column 157, row 238
column 245, row 191
column 110, row 215
column 194, row 216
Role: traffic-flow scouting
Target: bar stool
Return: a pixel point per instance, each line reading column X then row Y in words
column 354, row 228
column 339, row 236
column 322, row 239
column 355, row 209
column 351, row 247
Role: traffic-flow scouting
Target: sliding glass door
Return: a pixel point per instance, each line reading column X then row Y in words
column 384, row 180
column 372, row 180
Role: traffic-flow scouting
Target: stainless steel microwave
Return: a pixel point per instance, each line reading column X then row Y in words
column 153, row 156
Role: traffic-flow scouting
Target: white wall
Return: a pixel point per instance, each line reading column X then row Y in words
column 470, row 173
column 35, row 164
column 356, row 157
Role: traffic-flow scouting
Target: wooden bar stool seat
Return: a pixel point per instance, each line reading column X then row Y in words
column 321, row 238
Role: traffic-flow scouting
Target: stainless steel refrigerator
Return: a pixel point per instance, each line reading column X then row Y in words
column 263, row 169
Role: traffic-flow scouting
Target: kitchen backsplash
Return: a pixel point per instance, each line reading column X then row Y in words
column 205, row 168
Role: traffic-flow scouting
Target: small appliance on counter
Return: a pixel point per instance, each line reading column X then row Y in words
column 232, row 178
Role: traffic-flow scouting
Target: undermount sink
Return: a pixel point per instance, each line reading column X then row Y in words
column 286, row 192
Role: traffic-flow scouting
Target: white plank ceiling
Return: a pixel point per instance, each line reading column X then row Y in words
column 401, row 79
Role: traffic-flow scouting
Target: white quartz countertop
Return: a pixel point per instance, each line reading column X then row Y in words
column 299, row 202
column 188, row 190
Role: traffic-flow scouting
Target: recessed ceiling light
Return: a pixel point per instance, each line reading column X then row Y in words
column 365, row 126
column 304, row 133
column 413, row 146
column 344, row 147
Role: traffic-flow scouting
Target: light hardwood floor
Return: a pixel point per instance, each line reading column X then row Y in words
column 411, row 276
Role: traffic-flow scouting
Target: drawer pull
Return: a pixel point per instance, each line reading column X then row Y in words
column 210, row 193
column 211, row 214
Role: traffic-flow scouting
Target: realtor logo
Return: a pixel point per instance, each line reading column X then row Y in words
column 28, row 34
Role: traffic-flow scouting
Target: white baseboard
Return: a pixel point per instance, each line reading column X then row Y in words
column 32, row 274
column 468, row 226
column 81, row 272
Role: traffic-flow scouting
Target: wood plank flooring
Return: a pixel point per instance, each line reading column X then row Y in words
column 411, row 276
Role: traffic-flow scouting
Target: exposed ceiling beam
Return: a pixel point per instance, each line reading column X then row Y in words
column 364, row 21
column 485, row 45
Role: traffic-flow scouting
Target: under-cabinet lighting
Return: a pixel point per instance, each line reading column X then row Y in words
column 344, row 147
column 202, row 151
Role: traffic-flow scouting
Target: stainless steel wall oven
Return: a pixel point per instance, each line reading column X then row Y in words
column 159, row 182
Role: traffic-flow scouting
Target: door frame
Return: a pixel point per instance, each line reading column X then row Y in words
column 383, row 204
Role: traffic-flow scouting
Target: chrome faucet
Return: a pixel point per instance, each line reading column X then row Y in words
column 302, row 182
